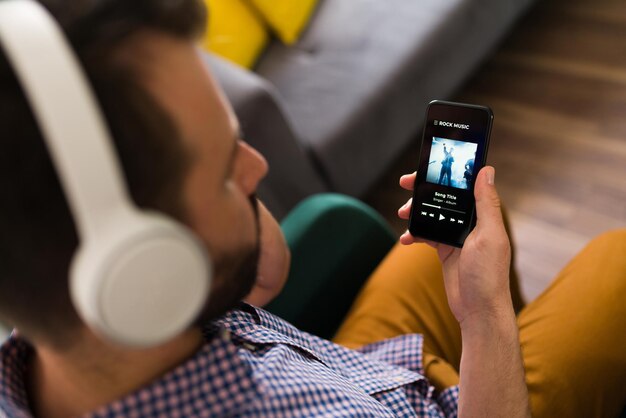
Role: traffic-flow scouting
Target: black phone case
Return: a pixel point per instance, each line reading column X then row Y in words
column 413, row 229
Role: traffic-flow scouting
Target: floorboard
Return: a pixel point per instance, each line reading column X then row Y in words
column 557, row 86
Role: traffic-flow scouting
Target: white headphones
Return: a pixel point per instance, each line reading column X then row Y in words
column 138, row 278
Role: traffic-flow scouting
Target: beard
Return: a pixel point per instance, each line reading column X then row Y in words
column 234, row 276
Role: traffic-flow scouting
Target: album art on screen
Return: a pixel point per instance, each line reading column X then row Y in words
column 451, row 163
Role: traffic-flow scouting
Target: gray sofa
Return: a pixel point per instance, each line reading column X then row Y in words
column 332, row 112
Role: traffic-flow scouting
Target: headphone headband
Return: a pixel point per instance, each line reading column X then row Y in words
column 76, row 135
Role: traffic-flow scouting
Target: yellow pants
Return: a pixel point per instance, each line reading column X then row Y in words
column 573, row 336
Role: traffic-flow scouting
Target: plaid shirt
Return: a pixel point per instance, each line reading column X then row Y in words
column 253, row 364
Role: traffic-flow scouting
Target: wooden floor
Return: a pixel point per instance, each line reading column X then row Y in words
column 557, row 85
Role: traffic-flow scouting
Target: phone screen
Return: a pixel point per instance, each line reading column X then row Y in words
column 454, row 149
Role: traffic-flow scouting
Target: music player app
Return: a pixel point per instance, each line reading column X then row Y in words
column 452, row 152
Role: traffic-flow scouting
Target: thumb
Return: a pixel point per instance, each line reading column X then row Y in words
column 488, row 207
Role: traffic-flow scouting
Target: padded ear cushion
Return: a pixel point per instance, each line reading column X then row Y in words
column 142, row 283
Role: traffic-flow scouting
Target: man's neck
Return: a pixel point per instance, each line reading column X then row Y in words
column 78, row 381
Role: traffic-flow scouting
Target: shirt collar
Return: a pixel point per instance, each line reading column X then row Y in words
column 259, row 327
column 14, row 355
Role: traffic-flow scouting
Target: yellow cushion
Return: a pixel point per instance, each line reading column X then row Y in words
column 234, row 32
column 287, row 18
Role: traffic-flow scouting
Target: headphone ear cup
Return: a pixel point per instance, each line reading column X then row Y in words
column 141, row 284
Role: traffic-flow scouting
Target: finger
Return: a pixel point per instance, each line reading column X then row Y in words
column 408, row 181
column 408, row 239
column 405, row 211
column 488, row 207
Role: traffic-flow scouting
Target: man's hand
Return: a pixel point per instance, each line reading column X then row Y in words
column 477, row 286
column 476, row 276
column 274, row 261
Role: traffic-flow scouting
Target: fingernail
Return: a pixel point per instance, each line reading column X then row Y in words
column 491, row 176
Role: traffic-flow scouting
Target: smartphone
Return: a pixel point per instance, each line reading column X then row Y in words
column 453, row 150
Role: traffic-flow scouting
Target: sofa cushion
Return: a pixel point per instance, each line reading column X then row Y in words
column 357, row 82
column 286, row 18
column 235, row 32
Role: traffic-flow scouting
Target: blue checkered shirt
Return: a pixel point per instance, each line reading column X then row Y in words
column 254, row 364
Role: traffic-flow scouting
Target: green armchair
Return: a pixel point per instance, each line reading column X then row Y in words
column 336, row 242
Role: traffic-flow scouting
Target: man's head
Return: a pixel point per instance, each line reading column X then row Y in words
column 177, row 141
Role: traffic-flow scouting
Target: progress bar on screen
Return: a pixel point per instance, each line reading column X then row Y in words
column 439, row 207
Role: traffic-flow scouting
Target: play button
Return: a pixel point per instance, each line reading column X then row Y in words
column 441, row 217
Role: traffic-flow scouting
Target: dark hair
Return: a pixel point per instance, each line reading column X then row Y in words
column 37, row 233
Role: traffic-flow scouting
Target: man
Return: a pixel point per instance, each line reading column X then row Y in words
column 469, row 171
column 180, row 147
column 446, row 166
